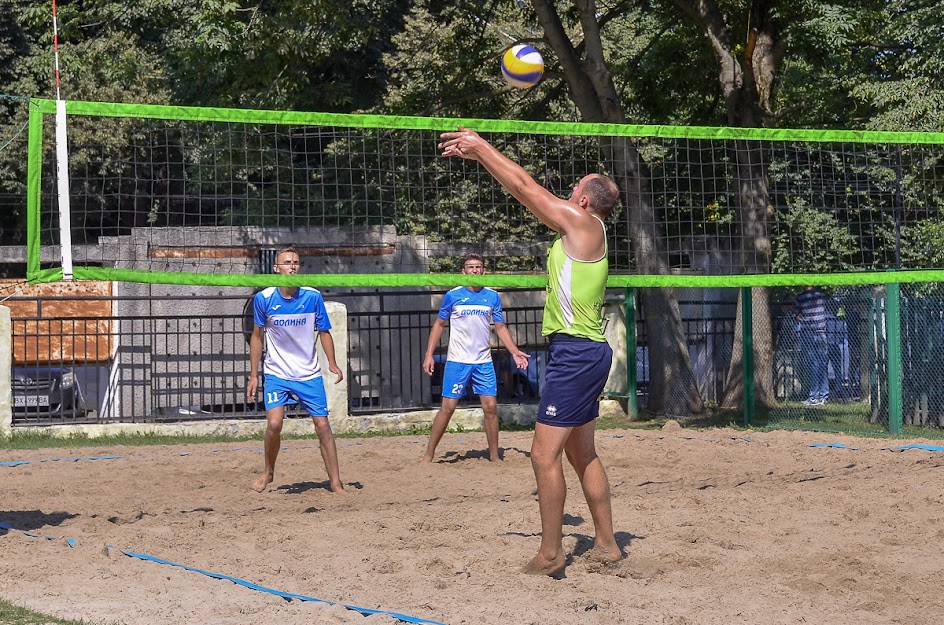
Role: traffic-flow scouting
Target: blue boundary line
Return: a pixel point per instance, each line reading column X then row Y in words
column 240, row 582
column 7, row 526
column 15, row 463
column 924, row 447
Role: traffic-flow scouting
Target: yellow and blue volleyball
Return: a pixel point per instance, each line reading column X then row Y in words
column 522, row 66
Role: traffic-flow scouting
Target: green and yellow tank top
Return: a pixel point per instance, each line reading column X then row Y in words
column 575, row 291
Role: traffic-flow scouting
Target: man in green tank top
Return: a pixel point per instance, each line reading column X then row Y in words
column 578, row 357
column 575, row 290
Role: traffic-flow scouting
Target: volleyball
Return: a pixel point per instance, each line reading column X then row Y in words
column 522, row 66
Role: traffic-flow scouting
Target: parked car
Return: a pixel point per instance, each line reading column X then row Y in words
column 47, row 391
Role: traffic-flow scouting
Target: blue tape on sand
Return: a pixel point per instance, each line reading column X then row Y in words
column 7, row 526
column 924, row 447
column 279, row 593
column 15, row 463
column 286, row 595
column 836, row 445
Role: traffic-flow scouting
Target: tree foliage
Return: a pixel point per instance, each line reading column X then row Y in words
column 904, row 88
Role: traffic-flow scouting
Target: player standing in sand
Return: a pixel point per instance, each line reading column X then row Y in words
column 290, row 318
column 578, row 357
column 470, row 310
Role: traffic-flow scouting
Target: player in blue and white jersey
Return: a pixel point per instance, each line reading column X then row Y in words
column 291, row 318
column 469, row 311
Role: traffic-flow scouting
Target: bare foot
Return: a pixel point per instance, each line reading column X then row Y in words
column 605, row 554
column 338, row 488
column 494, row 458
column 541, row 566
column 262, row 481
column 426, row 460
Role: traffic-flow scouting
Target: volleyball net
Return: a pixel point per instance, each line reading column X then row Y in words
column 197, row 196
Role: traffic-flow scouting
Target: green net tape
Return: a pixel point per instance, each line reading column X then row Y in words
column 111, row 109
column 497, row 281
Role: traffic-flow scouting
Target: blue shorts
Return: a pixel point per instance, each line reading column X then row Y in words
column 456, row 379
column 309, row 393
column 577, row 370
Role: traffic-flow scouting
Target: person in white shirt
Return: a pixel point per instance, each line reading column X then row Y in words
column 470, row 312
column 291, row 318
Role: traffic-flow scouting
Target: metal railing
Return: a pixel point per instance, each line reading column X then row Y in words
column 129, row 369
column 149, row 367
column 152, row 367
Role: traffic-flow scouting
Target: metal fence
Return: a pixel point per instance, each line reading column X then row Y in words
column 387, row 345
column 158, row 367
column 709, row 343
column 149, row 367
column 123, row 369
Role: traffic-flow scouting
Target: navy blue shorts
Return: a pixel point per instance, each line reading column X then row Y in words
column 576, row 373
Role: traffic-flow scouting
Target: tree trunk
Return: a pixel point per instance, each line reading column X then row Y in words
column 747, row 89
column 754, row 251
column 673, row 389
column 672, row 385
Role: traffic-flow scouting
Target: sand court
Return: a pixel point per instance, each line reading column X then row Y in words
column 718, row 526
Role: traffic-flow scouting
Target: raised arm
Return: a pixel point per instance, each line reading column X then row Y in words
column 557, row 214
column 578, row 224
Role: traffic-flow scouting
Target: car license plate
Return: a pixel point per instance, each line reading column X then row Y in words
column 30, row 401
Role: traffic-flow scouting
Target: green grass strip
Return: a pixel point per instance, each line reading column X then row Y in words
column 11, row 614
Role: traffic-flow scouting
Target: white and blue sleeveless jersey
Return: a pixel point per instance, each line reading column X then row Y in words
column 291, row 326
column 470, row 315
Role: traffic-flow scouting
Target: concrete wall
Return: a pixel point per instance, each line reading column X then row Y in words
column 614, row 316
column 173, row 371
column 338, row 400
column 133, row 395
column 236, row 250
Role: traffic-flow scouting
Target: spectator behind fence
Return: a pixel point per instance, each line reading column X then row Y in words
column 811, row 318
